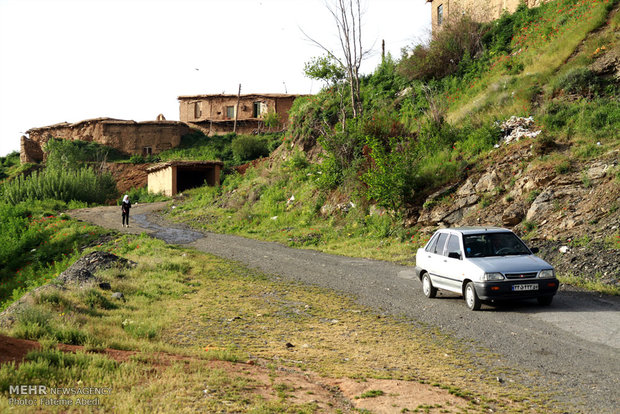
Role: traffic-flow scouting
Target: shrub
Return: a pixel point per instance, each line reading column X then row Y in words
column 578, row 81
column 272, row 120
column 63, row 153
column 83, row 184
column 391, row 175
column 248, row 148
column 563, row 167
column 442, row 56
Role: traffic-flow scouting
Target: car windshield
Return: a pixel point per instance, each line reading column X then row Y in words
column 493, row 244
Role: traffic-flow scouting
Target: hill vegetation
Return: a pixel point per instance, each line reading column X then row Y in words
column 430, row 120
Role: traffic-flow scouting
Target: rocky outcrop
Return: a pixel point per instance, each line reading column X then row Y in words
column 556, row 203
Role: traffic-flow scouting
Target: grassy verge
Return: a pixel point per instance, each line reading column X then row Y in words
column 38, row 242
column 200, row 308
column 284, row 205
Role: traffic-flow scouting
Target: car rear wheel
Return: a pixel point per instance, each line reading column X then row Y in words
column 471, row 297
column 545, row 300
column 427, row 286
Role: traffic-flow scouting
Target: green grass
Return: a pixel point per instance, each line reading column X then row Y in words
column 371, row 394
column 593, row 284
column 36, row 244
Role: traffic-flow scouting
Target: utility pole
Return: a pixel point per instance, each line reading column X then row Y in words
column 237, row 109
column 383, row 51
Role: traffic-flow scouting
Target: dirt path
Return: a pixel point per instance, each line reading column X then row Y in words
column 572, row 346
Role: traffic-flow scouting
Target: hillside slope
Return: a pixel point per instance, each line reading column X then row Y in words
column 525, row 135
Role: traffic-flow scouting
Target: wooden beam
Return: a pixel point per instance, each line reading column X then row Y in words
column 237, row 109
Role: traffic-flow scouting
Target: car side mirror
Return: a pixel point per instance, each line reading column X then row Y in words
column 454, row 255
column 534, row 250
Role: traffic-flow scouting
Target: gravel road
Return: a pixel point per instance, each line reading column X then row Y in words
column 572, row 346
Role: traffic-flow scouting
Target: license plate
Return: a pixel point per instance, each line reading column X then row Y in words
column 529, row 286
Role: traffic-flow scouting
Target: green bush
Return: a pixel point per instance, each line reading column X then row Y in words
column 83, row 184
column 63, row 153
column 458, row 39
column 8, row 163
column 248, row 148
column 391, row 178
column 578, row 80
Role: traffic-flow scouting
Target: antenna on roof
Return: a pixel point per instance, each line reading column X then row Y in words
column 285, row 91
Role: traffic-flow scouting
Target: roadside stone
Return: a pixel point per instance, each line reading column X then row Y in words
column 81, row 272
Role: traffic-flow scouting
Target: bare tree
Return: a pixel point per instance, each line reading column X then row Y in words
column 348, row 17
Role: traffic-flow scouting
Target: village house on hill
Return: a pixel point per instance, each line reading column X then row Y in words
column 212, row 114
column 129, row 137
column 223, row 113
column 479, row 10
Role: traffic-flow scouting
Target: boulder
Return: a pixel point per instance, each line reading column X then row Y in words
column 513, row 215
column 487, row 182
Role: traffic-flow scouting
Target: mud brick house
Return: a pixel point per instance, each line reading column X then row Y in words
column 129, row 137
column 170, row 178
column 479, row 10
column 216, row 114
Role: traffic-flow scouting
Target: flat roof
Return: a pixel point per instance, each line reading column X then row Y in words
column 108, row 121
column 247, row 95
column 193, row 164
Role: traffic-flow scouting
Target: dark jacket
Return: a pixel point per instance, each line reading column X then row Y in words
column 125, row 206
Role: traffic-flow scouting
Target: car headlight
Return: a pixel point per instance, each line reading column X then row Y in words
column 546, row 274
column 493, row 276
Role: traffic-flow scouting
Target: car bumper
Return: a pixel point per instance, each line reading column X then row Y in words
column 418, row 271
column 505, row 290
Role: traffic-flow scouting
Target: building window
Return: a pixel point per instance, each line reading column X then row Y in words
column 230, row 112
column 147, row 151
column 439, row 14
column 259, row 109
column 197, row 110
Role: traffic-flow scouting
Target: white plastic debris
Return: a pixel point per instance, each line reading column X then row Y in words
column 516, row 128
column 563, row 249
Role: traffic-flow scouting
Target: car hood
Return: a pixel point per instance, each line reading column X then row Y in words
column 510, row 264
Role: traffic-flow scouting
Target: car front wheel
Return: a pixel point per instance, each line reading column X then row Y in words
column 427, row 286
column 471, row 298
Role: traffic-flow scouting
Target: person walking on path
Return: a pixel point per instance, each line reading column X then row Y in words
column 125, row 206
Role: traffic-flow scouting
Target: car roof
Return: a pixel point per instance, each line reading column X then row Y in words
column 475, row 230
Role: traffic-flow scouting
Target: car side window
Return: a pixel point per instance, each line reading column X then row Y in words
column 431, row 244
column 453, row 245
column 441, row 241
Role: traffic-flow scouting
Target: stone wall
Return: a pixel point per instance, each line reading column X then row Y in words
column 479, row 10
column 129, row 137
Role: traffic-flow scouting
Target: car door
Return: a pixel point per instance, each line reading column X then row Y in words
column 451, row 267
column 435, row 260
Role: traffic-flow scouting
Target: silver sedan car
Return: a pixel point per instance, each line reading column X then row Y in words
column 484, row 265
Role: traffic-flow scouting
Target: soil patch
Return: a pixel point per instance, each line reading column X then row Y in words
column 301, row 387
